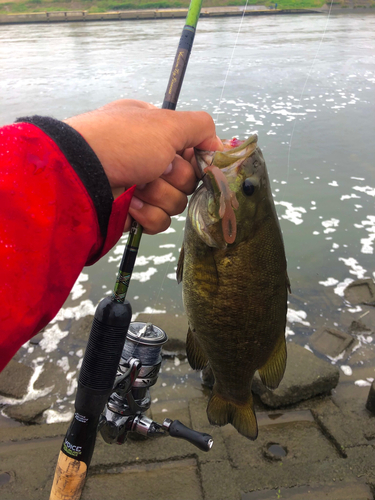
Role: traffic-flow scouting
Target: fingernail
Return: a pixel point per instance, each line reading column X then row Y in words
column 168, row 170
column 136, row 203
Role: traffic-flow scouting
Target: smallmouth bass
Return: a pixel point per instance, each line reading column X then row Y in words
column 235, row 284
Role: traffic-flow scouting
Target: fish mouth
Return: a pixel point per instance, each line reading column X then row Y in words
column 211, row 164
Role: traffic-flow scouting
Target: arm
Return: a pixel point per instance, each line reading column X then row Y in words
column 66, row 195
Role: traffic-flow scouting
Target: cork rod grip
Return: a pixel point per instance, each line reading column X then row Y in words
column 70, row 475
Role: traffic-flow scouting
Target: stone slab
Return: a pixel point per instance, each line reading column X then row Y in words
column 342, row 491
column 170, row 480
column 14, row 379
column 360, row 291
column 175, row 327
column 30, row 412
column 330, row 341
column 305, row 376
column 344, row 431
column 219, row 481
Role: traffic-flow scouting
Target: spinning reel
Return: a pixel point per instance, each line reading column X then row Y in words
column 130, row 398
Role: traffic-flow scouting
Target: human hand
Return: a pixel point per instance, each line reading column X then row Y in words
column 140, row 144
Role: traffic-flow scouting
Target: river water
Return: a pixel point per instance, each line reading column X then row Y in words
column 304, row 84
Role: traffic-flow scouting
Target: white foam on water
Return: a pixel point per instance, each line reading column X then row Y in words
column 292, row 214
column 367, row 243
column 329, row 282
column 63, row 363
column 73, row 383
column 172, row 276
column 168, row 245
column 337, row 358
column 148, row 310
column 297, row 317
column 78, row 290
column 144, row 276
column 339, row 290
column 365, row 189
column 349, row 196
column 31, row 393
column 333, row 183
column 358, row 178
column 308, row 348
column 330, row 224
column 85, row 308
column 54, row 417
column 362, row 383
column 356, row 268
column 346, row 370
column 179, row 218
column 288, row 332
column 169, row 230
column 52, row 337
column 157, row 260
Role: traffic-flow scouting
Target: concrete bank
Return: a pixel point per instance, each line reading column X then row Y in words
column 135, row 15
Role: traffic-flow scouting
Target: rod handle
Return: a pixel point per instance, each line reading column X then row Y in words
column 176, row 429
column 69, row 478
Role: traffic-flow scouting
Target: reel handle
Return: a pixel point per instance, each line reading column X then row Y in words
column 176, row 429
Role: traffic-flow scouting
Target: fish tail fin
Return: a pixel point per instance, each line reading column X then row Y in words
column 196, row 357
column 220, row 411
column 272, row 372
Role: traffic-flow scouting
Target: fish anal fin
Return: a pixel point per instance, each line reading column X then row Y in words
column 272, row 372
column 180, row 265
column 221, row 411
column 196, row 357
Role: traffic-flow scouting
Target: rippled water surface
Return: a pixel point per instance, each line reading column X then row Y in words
column 305, row 84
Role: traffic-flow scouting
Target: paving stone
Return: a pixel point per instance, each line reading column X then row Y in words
column 342, row 491
column 175, row 327
column 219, row 481
column 344, row 430
column 30, row 412
column 360, row 291
column 305, row 376
column 170, row 480
column 330, row 341
column 14, row 379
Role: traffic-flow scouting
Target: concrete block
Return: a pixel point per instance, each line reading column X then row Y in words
column 360, row 292
column 305, row 376
column 14, row 379
column 342, row 491
column 219, row 481
column 170, row 480
column 330, row 341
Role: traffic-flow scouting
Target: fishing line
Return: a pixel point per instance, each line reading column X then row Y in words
column 230, row 63
column 303, row 89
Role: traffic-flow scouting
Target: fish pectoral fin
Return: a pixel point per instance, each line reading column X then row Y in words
column 288, row 283
column 180, row 265
column 272, row 372
column 220, row 411
column 195, row 355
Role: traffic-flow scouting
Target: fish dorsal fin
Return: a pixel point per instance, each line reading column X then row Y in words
column 196, row 357
column 180, row 265
column 221, row 411
column 273, row 371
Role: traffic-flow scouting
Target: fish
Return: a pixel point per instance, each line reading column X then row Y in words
column 233, row 270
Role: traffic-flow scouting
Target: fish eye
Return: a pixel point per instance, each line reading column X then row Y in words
column 248, row 187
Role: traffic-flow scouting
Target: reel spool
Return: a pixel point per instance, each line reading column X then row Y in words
column 138, row 370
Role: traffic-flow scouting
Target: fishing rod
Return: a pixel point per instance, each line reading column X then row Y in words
column 111, row 375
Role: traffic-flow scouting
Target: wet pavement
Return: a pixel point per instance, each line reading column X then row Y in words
column 316, row 438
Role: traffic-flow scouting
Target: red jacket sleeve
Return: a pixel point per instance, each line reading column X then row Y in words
column 56, row 216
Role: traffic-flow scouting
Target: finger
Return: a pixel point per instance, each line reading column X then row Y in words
column 192, row 129
column 153, row 219
column 181, row 175
column 160, row 193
